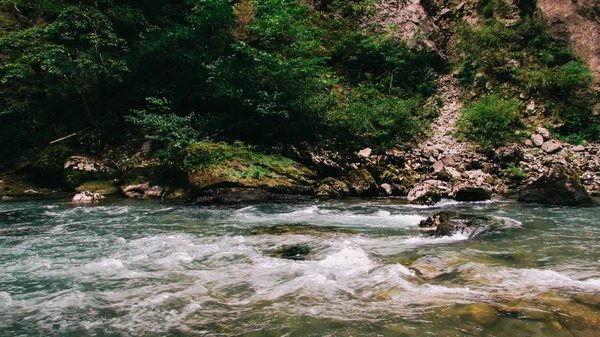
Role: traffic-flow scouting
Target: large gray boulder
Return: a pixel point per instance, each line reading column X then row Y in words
column 562, row 186
column 428, row 192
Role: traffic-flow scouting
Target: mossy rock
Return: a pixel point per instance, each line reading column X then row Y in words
column 333, row 187
column 102, row 187
column 362, row 183
column 141, row 174
column 235, row 166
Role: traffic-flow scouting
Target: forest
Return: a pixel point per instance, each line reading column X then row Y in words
column 268, row 73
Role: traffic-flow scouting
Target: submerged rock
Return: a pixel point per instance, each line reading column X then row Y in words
column 303, row 230
column 447, row 223
column 481, row 313
column 87, row 197
column 292, row 252
column 562, row 186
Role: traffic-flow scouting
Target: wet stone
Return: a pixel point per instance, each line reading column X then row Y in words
column 292, row 252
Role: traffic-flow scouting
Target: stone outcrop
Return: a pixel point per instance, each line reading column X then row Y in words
column 80, row 169
column 409, row 20
column 575, row 24
column 561, row 186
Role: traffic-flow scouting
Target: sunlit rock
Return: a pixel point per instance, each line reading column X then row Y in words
column 87, row 197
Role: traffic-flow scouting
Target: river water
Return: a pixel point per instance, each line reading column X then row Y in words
column 323, row 268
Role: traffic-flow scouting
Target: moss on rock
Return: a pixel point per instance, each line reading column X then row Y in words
column 102, row 187
column 210, row 165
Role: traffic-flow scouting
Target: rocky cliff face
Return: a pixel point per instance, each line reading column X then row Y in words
column 577, row 25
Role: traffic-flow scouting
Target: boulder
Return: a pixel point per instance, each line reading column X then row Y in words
column 210, row 166
column 508, row 155
column 552, row 146
column 326, row 163
column 428, row 192
column 362, row 183
column 87, row 197
column 78, row 170
column 365, row 153
column 562, row 186
column 387, row 188
column 142, row 191
column 333, row 188
column 468, row 193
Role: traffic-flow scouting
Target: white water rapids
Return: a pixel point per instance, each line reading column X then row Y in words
column 143, row 269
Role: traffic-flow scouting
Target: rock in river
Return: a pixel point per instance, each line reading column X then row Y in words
column 87, row 197
column 447, row 223
column 562, row 186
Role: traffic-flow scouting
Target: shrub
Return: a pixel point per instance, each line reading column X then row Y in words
column 491, row 121
column 367, row 117
column 514, row 173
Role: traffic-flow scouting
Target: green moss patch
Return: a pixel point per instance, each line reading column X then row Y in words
column 102, row 187
column 213, row 164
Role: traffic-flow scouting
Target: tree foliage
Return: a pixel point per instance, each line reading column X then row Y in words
column 266, row 72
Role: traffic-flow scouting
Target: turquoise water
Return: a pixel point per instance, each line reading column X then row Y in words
column 144, row 269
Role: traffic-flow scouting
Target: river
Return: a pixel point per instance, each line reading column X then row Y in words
column 322, row 268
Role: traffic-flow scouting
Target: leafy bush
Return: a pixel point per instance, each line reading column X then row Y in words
column 491, row 121
column 514, row 173
column 158, row 123
column 367, row 117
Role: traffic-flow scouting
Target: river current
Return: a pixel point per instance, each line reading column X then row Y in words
column 322, row 268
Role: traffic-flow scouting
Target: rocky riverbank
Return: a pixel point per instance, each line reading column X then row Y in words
column 440, row 166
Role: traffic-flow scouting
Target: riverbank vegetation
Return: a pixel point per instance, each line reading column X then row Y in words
column 269, row 73
column 266, row 72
